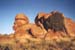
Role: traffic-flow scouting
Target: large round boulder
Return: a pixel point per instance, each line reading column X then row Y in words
column 53, row 20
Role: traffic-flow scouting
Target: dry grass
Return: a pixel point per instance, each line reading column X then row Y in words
column 68, row 44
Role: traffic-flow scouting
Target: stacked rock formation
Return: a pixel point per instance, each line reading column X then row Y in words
column 47, row 25
column 21, row 25
column 20, row 20
column 24, row 29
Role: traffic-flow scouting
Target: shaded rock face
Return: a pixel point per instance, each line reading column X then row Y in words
column 39, row 18
column 55, row 21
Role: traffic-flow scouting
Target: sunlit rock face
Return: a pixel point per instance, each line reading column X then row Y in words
column 37, row 31
column 21, row 27
column 69, row 24
column 20, row 20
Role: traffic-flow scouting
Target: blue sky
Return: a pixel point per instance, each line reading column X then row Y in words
column 9, row 9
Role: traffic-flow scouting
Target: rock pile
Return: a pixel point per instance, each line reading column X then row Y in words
column 51, row 31
column 47, row 25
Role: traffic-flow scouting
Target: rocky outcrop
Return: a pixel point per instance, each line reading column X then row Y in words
column 21, row 27
column 51, row 31
column 47, row 25
column 54, row 20
column 20, row 20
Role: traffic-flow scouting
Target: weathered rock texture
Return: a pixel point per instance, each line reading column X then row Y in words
column 49, row 32
column 20, row 20
column 53, row 24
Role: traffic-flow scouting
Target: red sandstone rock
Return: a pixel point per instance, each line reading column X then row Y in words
column 37, row 31
column 20, row 20
column 70, row 27
column 23, row 27
column 66, row 28
column 21, row 17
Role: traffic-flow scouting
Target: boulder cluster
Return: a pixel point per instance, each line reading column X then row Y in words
column 47, row 25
